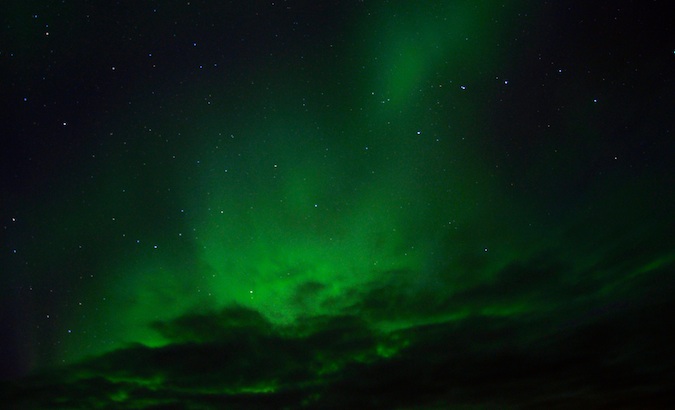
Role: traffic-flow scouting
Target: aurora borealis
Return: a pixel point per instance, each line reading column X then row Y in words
column 353, row 204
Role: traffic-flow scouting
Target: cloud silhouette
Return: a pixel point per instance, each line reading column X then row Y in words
column 607, row 355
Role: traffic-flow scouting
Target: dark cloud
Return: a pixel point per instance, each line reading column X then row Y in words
column 306, row 292
column 536, row 284
column 224, row 325
column 235, row 358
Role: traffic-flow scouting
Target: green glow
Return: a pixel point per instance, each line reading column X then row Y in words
column 392, row 345
column 658, row 263
column 297, row 230
column 367, row 201
column 415, row 43
column 120, row 396
column 513, row 310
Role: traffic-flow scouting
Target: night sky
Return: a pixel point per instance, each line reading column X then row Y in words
column 337, row 204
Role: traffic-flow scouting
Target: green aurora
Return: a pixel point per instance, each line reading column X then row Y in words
column 355, row 205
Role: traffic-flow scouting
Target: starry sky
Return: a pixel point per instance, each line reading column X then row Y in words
column 341, row 204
